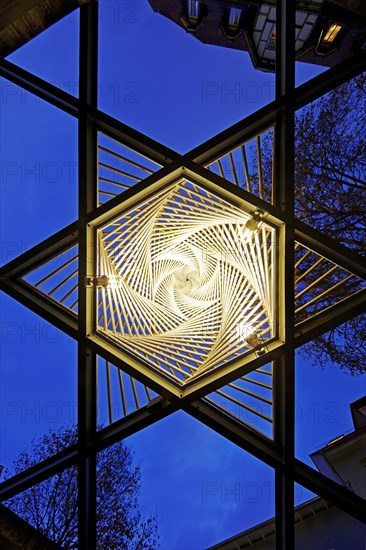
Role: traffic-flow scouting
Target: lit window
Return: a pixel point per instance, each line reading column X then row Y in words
column 329, row 39
column 331, row 34
column 234, row 17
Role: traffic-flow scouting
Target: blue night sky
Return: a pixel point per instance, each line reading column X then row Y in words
column 163, row 82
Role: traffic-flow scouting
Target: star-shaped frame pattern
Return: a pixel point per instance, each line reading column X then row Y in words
column 179, row 257
column 62, row 295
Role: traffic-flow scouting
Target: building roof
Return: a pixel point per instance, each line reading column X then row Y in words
column 358, row 410
column 267, row 529
column 17, row 534
column 312, row 507
column 22, row 20
column 358, row 6
column 255, row 29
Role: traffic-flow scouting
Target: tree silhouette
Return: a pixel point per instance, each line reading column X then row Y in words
column 331, row 164
column 330, row 187
column 51, row 506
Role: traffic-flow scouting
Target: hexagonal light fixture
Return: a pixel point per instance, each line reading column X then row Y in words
column 185, row 280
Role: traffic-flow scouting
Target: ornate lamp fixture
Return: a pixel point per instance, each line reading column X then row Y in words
column 185, row 280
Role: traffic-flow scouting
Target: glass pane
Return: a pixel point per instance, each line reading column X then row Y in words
column 330, row 164
column 182, row 76
column 119, row 394
column 202, row 488
column 330, row 386
column 319, row 524
column 38, row 379
column 50, row 507
column 39, row 170
column 54, row 54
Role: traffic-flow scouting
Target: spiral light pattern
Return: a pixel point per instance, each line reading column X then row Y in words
column 187, row 282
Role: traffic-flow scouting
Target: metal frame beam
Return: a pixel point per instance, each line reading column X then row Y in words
column 329, row 80
column 42, row 252
column 39, row 87
column 252, row 442
column 87, row 362
column 133, row 423
column 261, row 447
column 340, row 496
column 47, row 309
column 234, row 135
column 138, row 141
column 330, row 249
column 284, row 198
column 38, row 473
column 330, row 318
column 278, row 454
column 266, row 451
column 103, row 439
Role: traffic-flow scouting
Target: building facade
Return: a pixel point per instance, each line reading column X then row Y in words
column 326, row 32
column 318, row 524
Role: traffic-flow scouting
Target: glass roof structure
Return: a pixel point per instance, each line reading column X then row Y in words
column 191, row 274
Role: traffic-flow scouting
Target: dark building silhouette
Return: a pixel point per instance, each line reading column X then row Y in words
column 327, row 31
column 17, row 534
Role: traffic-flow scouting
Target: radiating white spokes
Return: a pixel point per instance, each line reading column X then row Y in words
column 188, row 283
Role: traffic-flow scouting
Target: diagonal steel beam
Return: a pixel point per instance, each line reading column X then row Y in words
column 348, row 501
column 266, row 117
column 248, row 440
column 251, row 442
column 39, row 87
column 330, row 318
column 233, row 136
column 329, row 80
column 42, row 252
column 129, row 136
column 330, row 249
column 38, row 473
column 207, row 151
column 267, row 452
column 47, row 309
column 156, row 410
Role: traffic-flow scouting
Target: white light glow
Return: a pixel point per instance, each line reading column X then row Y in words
column 184, row 273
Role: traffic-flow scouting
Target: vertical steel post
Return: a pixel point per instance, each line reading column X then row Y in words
column 284, row 382
column 87, row 390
